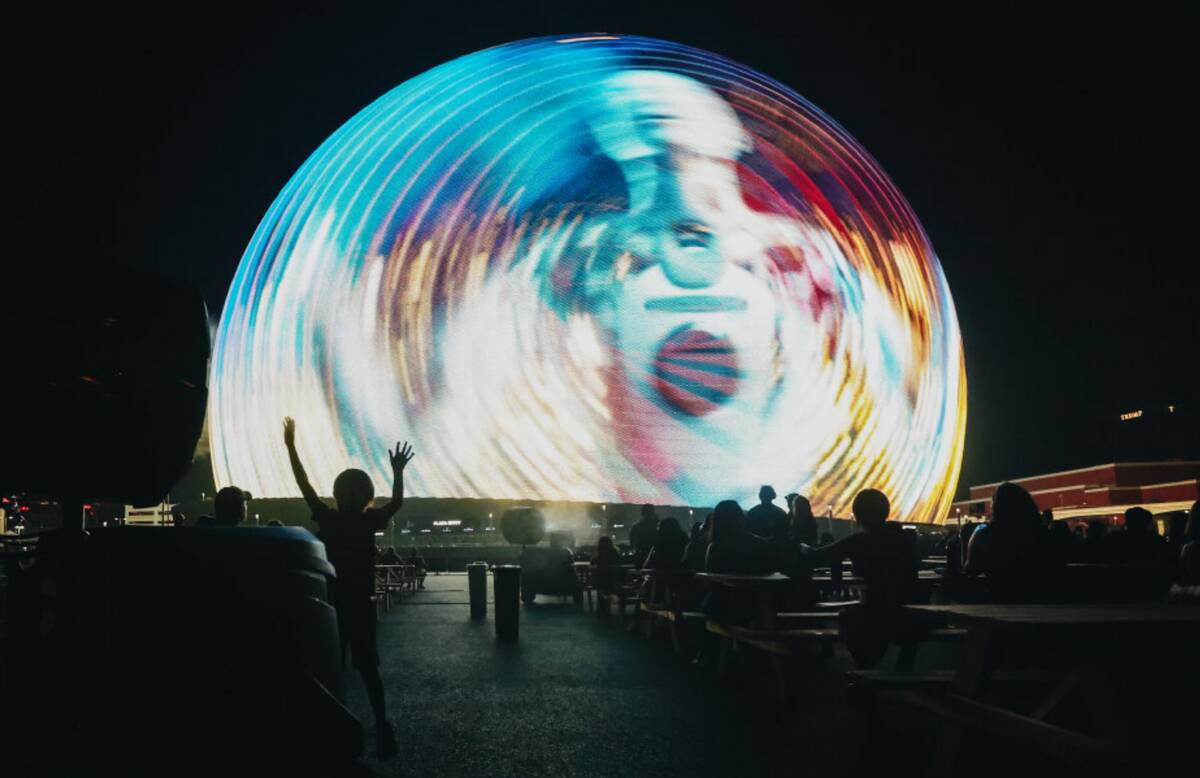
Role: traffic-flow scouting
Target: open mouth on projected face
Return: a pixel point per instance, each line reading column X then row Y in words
column 695, row 303
column 695, row 371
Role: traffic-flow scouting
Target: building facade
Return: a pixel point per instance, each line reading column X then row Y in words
column 1101, row 491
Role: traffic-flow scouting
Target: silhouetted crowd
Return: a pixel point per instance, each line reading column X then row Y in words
column 1016, row 555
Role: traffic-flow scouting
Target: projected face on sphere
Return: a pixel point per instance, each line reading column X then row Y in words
column 682, row 284
column 598, row 268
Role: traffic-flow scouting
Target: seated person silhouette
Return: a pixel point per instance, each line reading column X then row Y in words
column 1012, row 550
column 418, row 562
column 732, row 548
column 229, row 509
column 1138, row 543
column 348, row 533
column 666, row 557
column 802, row 525
column 606, row 574
column 885, row 556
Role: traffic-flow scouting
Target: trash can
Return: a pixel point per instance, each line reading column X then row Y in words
column 508, row 592
column 477, row 587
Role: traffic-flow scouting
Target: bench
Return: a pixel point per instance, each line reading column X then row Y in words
column 1074, row 749
column 779, row 644
column 813, row 617
column 908, row 648
column 834, row 605
column 936, row 680
column 661, row 613
column 774, row 641
column 604, row 602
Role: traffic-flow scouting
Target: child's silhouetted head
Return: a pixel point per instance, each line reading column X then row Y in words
column 353, row 491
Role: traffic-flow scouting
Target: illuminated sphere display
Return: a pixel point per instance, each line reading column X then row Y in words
column 596, row 268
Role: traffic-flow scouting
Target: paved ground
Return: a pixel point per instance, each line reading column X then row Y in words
column 577, row 697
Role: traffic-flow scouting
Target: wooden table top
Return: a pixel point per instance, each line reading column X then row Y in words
column 743, row 580
column 846, row 579
column 1140, row 614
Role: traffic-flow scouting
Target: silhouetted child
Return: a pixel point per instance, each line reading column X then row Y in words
column 885, row 556
column 349, row 537
column 605, row 575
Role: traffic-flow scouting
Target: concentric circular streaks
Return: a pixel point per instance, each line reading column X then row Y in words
column 594, row 268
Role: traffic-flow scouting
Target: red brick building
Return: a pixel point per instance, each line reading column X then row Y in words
column 1102, row 491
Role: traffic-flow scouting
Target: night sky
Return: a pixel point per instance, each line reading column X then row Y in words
column 1051, row 160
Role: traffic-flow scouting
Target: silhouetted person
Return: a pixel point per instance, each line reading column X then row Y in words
column 667, row 552
column 1138, row 543
column 348, row 533
column 643, row 533
column 229, row 509
column 606, row 567
column 1176, row 531
column 884, row 555
column 1189, row 553
column 732, row 548
column 1060, row 542
column 1012, row 550
column 802, row 522
column 696, row 551
column 1093, row 541
column 825, row 539
column 418, row 562
column 767, row 520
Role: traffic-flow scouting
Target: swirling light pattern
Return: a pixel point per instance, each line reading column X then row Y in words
column 594, row 268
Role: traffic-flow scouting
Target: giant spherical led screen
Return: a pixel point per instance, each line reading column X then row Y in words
column 597, row 268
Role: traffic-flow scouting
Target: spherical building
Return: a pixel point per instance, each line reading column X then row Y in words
column 594, row 268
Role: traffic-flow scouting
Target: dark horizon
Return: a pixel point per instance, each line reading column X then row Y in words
column 1046, row 158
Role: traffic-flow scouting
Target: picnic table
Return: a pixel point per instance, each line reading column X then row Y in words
column 1047, row 628
column 626, row 593
column 766, row 632
column 391, row 579
column 763, row 587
